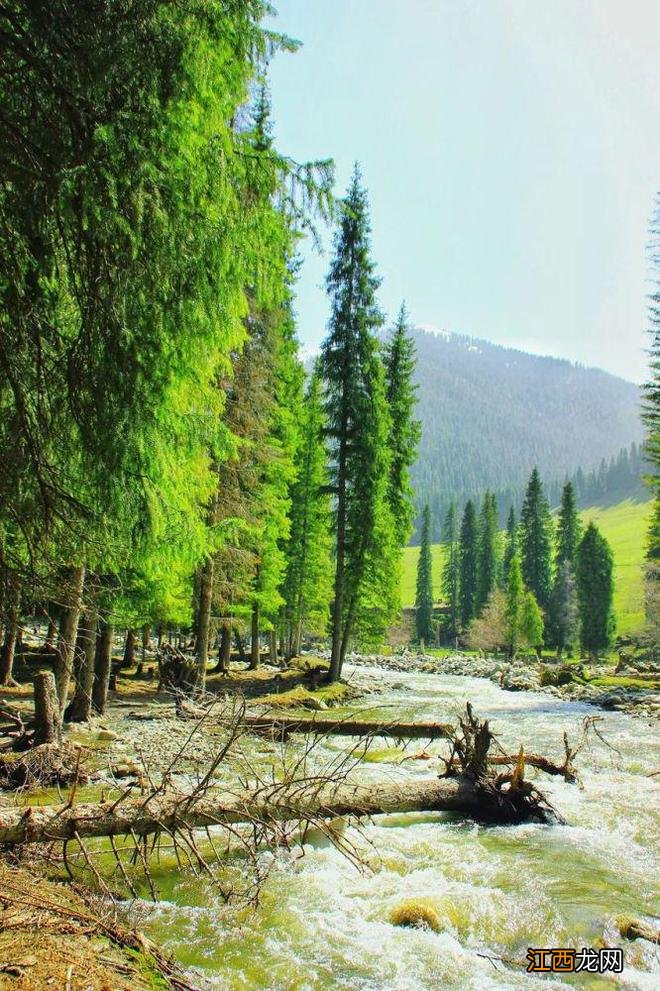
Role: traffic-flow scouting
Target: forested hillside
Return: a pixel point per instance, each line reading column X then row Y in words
column 490, row 413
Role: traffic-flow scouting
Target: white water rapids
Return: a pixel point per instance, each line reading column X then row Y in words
column 324, row 925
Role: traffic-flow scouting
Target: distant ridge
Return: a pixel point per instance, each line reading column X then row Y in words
column 490, row 413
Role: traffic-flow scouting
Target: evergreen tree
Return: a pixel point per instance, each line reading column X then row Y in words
column 424, row 588
column 515, row 596
column 308, row 589
column 536, row 541
column 563, row 623
column 531, row 622
column 488, row 547
column 357, row 426
column 469, row 563
column 568, row 527
column 594, row 575
column 405, row 431
column 510, row 545
column 451, row 573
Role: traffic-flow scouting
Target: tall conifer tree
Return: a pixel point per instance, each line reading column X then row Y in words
column 451, row 573
column 424, row 589
column 594, row 573
column 568, row 527
column 405, row 430
column 469, row 554
column 510, row 545
column 357, row 421
column 308, row 586
column 563, row 619
column 487, row 566
column 536, row 541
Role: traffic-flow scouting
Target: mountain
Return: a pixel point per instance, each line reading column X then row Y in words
column 490, row 413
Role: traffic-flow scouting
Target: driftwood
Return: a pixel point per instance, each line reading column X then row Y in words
column 283, row 725
column 277, row 803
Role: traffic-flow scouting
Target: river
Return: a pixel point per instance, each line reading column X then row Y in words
column 323, row 924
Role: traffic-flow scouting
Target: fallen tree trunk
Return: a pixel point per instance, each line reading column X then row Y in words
column 282, row 725
column 275, row 803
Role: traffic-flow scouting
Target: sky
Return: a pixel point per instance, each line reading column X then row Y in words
column 511, row 151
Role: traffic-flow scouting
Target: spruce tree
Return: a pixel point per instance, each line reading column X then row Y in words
column 405, row 430
column 515, row 595
column 308, row 587
column 357, row 422
column 563, row 617
column 469, row 553
column 424, row 588
column 488, row 547
column 510, row 545
column 451, row 572
column 536, row 541
column 568, row 527
column 594, row 575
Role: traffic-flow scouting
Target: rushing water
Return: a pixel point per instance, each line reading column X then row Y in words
column 322, row 924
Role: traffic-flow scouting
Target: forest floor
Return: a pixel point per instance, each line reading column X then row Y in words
column 53, row 938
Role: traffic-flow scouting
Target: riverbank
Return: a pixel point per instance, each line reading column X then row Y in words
column 604, row 690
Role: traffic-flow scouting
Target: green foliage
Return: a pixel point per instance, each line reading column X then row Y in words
column 404, row 434
column 536, row 541
column 424, row 591
column 594, row 575
column 469, row 564
column 569, row 530
column 451, row 572
column 357, row 432
column 510, row 545
column 532, row 627
column 563, row 616
column 488, row 548
column 308, row 584
column 488, row 632
column 515, row 604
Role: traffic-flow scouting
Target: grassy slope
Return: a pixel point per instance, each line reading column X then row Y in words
column 624, row 525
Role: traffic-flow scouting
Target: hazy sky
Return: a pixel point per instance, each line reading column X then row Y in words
column 511, row 149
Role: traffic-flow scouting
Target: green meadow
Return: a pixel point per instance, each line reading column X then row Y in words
column 624, row 525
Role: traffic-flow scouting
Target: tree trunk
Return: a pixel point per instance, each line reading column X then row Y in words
column 80, row 709
column 273, row 647
column 254, row 648
column 102, row 667
column 66, row 643
column 224, row 653
column 336, row 660
column 348, row 727
column 146, row 633
column 47, row 717
column 43, row 824
column 203, row 620
column 10, row 639
column 240, row 646
column 128, row 660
